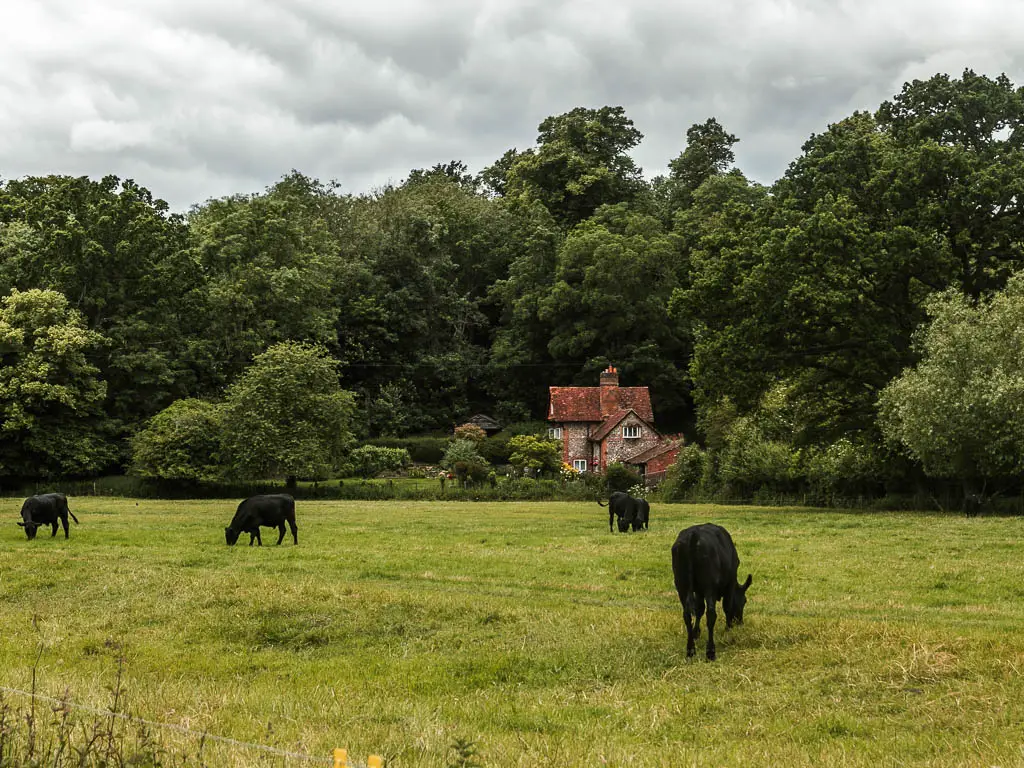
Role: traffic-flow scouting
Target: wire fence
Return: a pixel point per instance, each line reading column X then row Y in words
column 338, row 759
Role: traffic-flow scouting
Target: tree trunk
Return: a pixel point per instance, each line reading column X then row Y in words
column 290, row 482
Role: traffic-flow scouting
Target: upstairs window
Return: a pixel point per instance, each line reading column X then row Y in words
column 555, row 432
column 633, row 431
column 580, row 465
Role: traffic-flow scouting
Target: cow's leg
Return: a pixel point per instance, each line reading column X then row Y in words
column 699, row 612
column 64, row 522
column 295, row 530
column 252, row 537
column 691, row 635
column 611, row 518
column 259, row 539
column 710, row 603
column 280, row 530
column 53, row 526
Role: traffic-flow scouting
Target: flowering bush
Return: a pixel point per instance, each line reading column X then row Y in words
column 568, row 472
column 638, row 491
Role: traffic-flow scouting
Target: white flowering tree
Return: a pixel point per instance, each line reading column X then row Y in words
column 960, row 410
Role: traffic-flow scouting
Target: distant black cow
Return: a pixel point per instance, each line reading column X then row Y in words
column 704, row 564
column 271, row 511
column 45, row 509
column 643, row 514
column 629, row 511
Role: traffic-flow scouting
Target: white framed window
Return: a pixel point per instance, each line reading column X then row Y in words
column 580, row 465
column 633, row 431
column 555, row 432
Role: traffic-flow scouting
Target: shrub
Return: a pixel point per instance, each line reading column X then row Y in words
column 182, row 442
column 843, row 468
column 686, row 475
column 462, row 459
column 370, row 460
column 470, row 432
column 536, row 454
column 422, row 450
column 750, row 461
column 497, row 449
column 619, row 477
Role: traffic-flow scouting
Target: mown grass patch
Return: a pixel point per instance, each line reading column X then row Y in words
column 528, row 629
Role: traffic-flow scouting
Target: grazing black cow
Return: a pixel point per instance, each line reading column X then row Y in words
column 629, row 511
column 271, row 511
column 643, row 514
column 45, row 509
column 704, row 564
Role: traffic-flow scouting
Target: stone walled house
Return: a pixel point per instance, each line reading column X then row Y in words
column 601, row 425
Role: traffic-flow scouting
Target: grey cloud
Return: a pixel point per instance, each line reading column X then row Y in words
column 196, row 99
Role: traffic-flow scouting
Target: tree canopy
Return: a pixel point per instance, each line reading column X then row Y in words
column 769, row 321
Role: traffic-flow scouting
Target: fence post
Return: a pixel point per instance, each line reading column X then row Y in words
column 341, row 758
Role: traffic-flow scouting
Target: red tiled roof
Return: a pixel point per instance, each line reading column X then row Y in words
column 584, row 403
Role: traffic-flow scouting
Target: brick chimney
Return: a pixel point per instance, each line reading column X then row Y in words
column 609, row 392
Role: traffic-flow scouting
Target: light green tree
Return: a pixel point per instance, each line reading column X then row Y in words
column 52, row 421
column 287, row 416
column 370, row 460
column 534, row 453
column 960, row 410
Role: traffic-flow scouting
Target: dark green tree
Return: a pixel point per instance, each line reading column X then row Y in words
column 116, row 253
column 182, row 442
column 270, row 262
column 708, row 153
column 581, row 162
column 614, row 277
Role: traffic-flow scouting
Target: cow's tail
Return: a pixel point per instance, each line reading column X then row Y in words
column 73, row 516
column 601, row 505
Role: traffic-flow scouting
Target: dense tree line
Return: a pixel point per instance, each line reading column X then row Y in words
column 767, row 320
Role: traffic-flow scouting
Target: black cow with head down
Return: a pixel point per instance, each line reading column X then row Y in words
column 270, row 511
column 631, row 512
column 45, row 509
column 704, row 564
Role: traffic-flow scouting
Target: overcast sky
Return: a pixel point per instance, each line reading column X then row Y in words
column 201, row 98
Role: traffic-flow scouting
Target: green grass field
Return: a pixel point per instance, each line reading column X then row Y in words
column 396, row 628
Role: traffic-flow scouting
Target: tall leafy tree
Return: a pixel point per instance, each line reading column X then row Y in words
column 960, row 173
column 581, row 162
column 287, row 416
column 614, row 278
column 960, row 409
column 879, row 212
column 708, row 153
column 116, row 252
column 520, row 366
column 52, row 420
column 416, row 321
column 269, row 262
